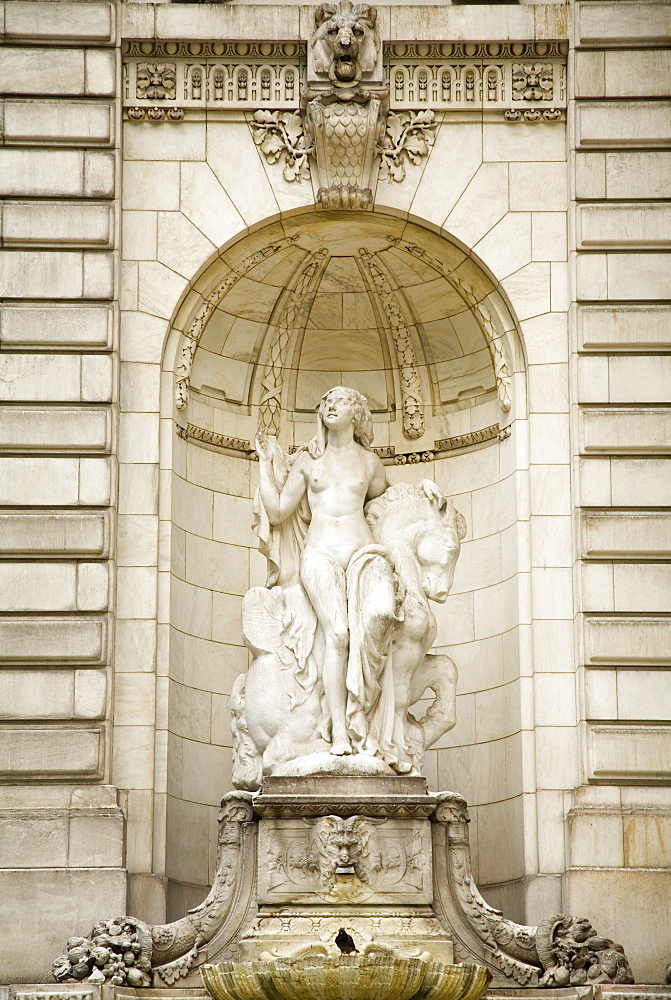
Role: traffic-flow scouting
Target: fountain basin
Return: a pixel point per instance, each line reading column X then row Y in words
column 354, row 977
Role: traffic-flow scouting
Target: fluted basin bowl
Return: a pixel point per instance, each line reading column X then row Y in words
column 347, row 977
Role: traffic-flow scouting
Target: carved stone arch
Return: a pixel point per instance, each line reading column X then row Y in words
column 278, row 316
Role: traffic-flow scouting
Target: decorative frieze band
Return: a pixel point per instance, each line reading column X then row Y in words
column 387, row 454
column 184, row 75
column 164, row 79
column 470, row 75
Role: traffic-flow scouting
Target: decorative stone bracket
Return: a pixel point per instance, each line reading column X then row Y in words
column 344, row 124
column 347, row 142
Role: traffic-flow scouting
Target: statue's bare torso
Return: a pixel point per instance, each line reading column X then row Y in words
column 338, row 526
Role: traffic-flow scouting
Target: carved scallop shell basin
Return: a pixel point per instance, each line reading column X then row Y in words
column 347, row 977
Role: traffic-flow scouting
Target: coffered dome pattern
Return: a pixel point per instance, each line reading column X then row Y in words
column 368, row 301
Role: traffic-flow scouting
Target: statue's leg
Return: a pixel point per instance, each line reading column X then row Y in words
column 324, row 582
column 380, row 604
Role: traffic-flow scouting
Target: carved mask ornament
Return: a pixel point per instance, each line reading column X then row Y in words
column 345, row 43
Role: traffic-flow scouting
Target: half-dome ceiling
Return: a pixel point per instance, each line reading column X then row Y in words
column 381, row 305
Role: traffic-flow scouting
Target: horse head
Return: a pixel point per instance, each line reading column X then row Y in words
column 408, row 523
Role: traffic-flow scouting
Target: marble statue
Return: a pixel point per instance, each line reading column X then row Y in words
column 341, row 639
column 341, row 634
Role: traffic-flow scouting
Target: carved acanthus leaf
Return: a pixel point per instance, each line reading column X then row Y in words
column 408, row 135
column 280, row 133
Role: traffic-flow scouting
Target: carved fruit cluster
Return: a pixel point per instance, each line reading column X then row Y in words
column 117, row 951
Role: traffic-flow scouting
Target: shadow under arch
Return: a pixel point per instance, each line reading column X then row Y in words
column 446, row 377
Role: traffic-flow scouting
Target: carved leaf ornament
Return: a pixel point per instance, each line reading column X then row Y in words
column 408, row 134
column 281, row 132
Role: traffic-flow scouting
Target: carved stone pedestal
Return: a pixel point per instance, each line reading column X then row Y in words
column 380, row 856
column 343, row 852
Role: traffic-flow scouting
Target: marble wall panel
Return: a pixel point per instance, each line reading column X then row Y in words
column 627, row 174
column 621, row 23
column 53, row 753
column 55, row 224
column 627, row 640
column 52, row 640
column 628, row 535
column 56, row 275
column 500, row 848
column 56, row 173
column 95, row 22
column 58, row 122
column 629, row 431
column 621, row 123
column 96, row 892
column 646, row 836
column 85, row 326
column 631, row 225
column 24, row 71
column 641, row 753
column 46, row 430
column 54, row 534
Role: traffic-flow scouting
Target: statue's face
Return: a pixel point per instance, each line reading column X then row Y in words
column 337, row 410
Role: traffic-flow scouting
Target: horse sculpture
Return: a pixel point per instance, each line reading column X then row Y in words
column 278, row 719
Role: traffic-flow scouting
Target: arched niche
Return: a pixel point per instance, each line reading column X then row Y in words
column 411, row 319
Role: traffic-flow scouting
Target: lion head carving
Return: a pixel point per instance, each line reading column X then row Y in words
column 345, row 43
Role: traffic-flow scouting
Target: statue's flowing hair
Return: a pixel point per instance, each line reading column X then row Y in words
column 363, row 422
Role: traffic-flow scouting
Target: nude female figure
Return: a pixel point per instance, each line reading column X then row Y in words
column 340, row 473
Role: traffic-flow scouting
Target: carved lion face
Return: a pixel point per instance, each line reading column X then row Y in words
column 345, row 42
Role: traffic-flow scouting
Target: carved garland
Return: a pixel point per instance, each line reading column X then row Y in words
column 197, row 325
column 411, row 386
column 493, row 338
column 293, row 316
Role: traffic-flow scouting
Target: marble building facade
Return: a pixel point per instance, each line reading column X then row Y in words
column 170, row 278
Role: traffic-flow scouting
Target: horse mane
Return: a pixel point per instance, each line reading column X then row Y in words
column 404, row 493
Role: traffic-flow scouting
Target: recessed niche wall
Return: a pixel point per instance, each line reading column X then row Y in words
column 409, row 319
